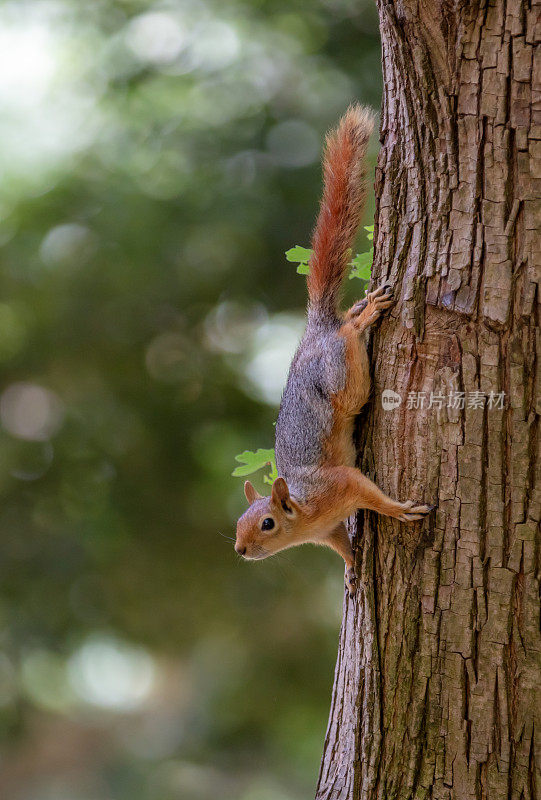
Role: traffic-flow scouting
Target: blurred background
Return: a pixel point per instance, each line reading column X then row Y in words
column 157, row 159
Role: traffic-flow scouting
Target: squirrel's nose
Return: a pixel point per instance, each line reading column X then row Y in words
column 240, row 549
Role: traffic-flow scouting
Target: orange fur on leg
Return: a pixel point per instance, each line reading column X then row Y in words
column 354, row 490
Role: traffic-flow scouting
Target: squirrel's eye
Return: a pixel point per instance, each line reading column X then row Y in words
column 267, row 524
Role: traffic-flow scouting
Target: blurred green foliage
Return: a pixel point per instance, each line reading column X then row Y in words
column 157, row 160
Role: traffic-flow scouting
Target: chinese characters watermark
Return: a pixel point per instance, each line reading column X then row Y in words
column 438, row 400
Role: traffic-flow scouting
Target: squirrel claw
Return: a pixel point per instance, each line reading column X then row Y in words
column 411, row 512
column 385, row 289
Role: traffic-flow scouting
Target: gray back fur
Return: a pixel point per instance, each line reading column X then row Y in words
column 317, row 372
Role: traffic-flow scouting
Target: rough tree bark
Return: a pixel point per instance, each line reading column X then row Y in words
column 436, row 690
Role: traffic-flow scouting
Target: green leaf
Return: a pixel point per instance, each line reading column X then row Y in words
column 361, row 265
column 298, row 254
column 363, row 259
column 251, row 462
column 301, row 256
column 271, row 477
column 369, row 232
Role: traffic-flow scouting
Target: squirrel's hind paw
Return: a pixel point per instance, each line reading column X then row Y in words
column 367, row 311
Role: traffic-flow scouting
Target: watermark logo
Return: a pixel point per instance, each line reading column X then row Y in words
column 437, row 400
column 390, row 400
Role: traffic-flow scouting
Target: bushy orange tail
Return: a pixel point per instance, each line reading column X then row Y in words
column 344, row 193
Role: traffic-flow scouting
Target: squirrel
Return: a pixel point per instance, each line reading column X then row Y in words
column 328, row 383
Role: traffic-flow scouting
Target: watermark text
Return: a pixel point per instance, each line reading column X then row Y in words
column 438, row 400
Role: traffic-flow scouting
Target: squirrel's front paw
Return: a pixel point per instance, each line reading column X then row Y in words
column 410, row 512
column 351, row 581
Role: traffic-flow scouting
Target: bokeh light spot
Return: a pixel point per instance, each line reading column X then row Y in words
column 230, row 325
column 30, row 412
column 272, row 349
column 157, row 37
column 69, row 244
column 112, row 674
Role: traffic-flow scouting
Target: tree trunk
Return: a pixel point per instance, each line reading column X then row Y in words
column 436, row 689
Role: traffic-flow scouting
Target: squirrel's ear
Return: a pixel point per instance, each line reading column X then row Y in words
column 251, row 493
column 280, row 495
